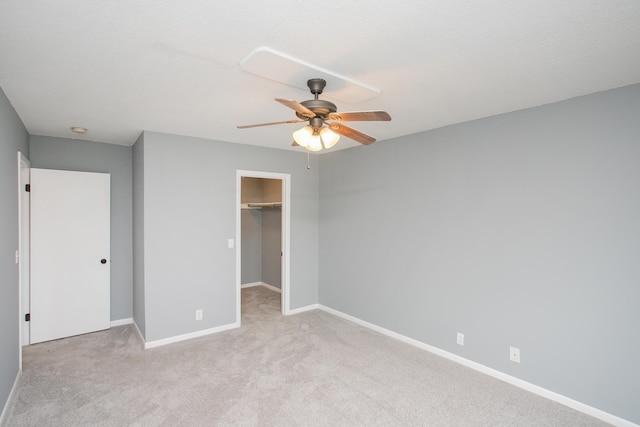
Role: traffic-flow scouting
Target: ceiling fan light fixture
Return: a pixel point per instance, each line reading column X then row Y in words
column 315, row 140
column 329, row 138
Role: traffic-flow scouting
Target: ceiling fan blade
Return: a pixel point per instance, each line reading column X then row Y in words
column 361, row 116
column 299, row 108
column 269, row 124
column 295, row 144
column 356, row 135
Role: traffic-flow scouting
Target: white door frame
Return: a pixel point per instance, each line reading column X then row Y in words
column 286, row 233
column 24, row 166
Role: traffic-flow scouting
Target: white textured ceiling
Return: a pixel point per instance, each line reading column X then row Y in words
column 118, row 67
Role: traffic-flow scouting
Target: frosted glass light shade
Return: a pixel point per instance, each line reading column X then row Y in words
column 314, row 143
column 329, row 137
column 303, row 136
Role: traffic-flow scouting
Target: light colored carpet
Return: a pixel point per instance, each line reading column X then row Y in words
column 310, row 369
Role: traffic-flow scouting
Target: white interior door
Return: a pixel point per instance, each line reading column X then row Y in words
column 70, row 251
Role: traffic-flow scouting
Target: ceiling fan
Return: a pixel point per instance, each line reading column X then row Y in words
column 320, row 132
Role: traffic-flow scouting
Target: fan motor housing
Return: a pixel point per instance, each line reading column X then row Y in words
column 319, row 106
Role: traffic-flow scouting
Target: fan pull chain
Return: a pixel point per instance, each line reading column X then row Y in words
column 308, row 165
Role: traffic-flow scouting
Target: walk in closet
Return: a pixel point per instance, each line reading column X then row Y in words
column 261, row 232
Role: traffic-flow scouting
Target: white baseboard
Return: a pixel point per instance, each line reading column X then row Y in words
column 191, row 335
column 265, row 285
column 250, row 285
column 122, row 322
column 9, row 402
column 573, row 404
column 303, row 309
column 271, row 287
column 139, row 333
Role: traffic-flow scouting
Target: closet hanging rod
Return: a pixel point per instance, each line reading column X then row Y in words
column 263, row 205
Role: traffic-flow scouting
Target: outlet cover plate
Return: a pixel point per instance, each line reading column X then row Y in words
column 514, row 354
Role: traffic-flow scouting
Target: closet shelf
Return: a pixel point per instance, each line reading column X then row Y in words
column 260, row 205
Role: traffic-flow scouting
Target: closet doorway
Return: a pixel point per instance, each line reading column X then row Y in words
column 262, row 234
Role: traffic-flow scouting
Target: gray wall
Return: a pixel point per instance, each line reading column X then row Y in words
column 272, row 234
column 13, row 138
column 251, row 231
column 68, row 154
column 251, row 235
column 521, row 229
column 272, row 246
column 138, row 233
column 189, row 213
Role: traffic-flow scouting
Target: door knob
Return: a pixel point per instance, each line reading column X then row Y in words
column 103, row 261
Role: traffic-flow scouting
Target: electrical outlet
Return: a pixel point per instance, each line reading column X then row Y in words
column 199, row 314
column 460, row 339
column 514, row 354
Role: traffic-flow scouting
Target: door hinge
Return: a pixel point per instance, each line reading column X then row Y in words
column 27, row 317
column 27, row 187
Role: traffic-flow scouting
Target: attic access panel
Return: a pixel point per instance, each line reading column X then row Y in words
column 280, row 67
